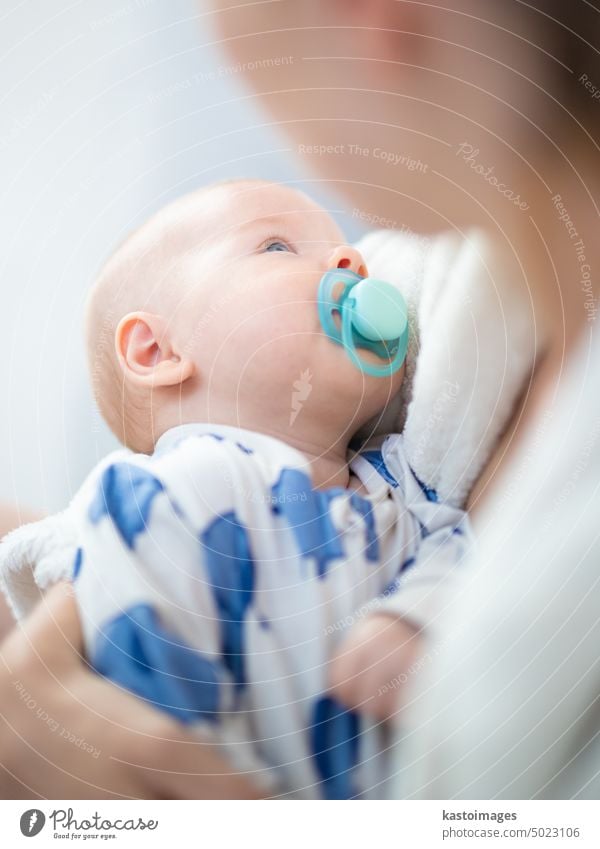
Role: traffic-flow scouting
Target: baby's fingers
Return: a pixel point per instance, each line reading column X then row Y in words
column 368, row 670
column 360, row 685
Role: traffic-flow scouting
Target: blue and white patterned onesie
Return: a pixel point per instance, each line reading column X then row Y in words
column 214, row 582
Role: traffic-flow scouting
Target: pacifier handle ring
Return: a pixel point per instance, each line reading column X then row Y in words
column 375, row 371
column 327, row 304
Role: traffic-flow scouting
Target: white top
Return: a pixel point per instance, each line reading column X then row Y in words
column 509, row 705
column 215, row 582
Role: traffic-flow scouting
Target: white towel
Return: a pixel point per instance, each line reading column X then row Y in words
column 473, row 343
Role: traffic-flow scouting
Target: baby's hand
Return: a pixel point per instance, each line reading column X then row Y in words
column 369, row 669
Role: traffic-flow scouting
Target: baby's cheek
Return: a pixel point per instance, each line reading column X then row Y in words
column 263, row 339
column 395, row 381
column 399, row 377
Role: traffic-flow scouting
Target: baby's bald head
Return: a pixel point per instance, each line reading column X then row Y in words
column 209, row 313
column 148, row 272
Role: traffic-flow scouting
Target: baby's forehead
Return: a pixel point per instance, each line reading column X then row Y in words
column 256, row 199
column 235, row 204
column 220, row 214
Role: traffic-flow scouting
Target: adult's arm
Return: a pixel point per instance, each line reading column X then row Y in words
column 67, row 733
column 509, row 708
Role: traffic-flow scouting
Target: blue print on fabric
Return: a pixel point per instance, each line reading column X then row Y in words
column 125, row 494
column 77, row 563
column 137, row 652
column 307, row 512
column 424, row 529
column 430, row 493
column 365, row 508
column 244, row 448
column 407, row 564
column 391, row 588
column 375, row 458
column 334, row 744
column 230, row 567
column 239, row 445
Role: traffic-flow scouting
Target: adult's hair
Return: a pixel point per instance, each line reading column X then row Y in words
column 569, row 30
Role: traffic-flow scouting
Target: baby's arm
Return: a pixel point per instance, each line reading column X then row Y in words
column 381, row 653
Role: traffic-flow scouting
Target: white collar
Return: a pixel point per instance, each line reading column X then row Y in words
column 268, row 446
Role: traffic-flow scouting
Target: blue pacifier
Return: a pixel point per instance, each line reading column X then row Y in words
column 373, row 316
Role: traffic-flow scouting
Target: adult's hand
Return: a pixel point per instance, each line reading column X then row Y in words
column 67, row 733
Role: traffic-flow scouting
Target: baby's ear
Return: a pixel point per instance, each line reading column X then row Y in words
column 147, row 353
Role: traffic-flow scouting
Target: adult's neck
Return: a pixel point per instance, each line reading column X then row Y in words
column 559, row 250
column 548, row 254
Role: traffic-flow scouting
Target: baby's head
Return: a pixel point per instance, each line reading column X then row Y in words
column 208, row 312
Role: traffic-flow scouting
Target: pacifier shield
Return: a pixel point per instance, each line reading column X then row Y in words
column 373, row 316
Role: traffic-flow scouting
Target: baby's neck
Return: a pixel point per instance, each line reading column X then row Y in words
column 327, row 457
column 328, row 464
column 322, row 437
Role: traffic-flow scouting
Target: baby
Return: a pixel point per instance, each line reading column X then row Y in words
column 219, row 560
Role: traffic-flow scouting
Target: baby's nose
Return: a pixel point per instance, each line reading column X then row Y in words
column 345, row 256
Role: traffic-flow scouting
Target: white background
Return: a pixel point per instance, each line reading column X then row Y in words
column 106, row 114
column 285, row 825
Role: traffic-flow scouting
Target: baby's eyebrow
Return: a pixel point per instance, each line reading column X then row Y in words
column 272, row 222
column 266, row 221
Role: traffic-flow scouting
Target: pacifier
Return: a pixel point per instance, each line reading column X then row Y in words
column 372, row 314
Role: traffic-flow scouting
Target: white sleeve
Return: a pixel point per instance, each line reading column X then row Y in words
column 424, row 586
column 446, row 538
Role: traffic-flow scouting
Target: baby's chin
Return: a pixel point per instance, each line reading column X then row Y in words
column 367, row 394
column 349, row 369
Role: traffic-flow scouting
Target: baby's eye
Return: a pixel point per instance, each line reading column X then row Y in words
column 277, row 245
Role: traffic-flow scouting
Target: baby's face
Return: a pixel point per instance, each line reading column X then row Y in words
column 250, row 307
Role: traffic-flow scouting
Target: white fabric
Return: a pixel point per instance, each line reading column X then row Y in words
column 473, row 343
column 177, row 534
column 509, row 706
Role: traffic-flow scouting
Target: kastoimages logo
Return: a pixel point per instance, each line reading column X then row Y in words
column 32, row 822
